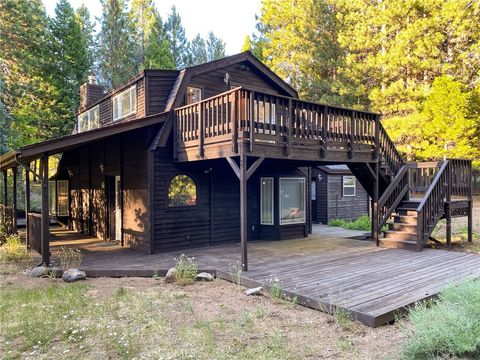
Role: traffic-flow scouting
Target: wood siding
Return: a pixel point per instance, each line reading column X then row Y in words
column 159, row 85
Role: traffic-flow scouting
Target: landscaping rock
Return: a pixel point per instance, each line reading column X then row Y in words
column 204, row 276
column 254, row 291
column 39, row 271
column 72, row 275
column 171, row 275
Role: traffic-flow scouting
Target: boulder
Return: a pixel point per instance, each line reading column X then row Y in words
column 254, row 291
column 39, row 271
column 72, row 275
column 171, row 276
column 204, row 276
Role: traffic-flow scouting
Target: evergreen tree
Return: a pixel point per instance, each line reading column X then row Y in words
column 116, row 49
column 198, row 51
column 69, row 65
column 177, row 39
column 87, row 28
column 5, row 119
column 215, row 47
column 143, row 16
column 255, row 45
column 157, row 50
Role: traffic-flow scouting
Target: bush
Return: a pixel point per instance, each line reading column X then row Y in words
column 362, row 223
column 186, row 269
column 13, row 249
column 70, row 258
column 449, row 327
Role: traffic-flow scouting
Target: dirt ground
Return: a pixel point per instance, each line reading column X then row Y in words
column 238, row 326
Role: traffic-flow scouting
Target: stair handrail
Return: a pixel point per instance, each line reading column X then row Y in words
column 388, row 151
column 432, row 206
column 396, row 191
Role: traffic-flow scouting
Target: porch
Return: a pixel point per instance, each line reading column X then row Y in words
column 329, row 268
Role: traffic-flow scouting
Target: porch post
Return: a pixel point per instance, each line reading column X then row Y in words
column 27, row 205
column 14, row 199
column 5, row 188
column 243, row 210
column 375, row 229
column 45, row 212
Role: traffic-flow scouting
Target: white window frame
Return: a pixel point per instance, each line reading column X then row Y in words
column 272, row 222
column 354, row 186
column 196, row 88
column 117, row 99
column 52, row 197
column 67, row 212
column 301, row 220
column 90, row 114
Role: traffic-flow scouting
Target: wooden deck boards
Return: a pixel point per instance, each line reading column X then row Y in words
column 372, row 283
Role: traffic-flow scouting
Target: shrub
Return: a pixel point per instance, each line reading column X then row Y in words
column 361, row 223
column 13, row 249
column 70, row 258
column 186, row 269
column 449, row 327
column 337, row 223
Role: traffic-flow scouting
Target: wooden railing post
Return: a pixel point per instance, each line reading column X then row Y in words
column 234, row 120
column 289, row 124
column 323, row 150
column 201, row 131
column 351, row 136
column 252, row 120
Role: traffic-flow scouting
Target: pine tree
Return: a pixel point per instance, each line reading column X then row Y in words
column 5, row 119
column 215, row 47
column 198, row 51
column 69, row 65
column 177, row 39
column 87, row 28
column 256, row 45
column 116, row 50
column 157, row 50
column 142, row 18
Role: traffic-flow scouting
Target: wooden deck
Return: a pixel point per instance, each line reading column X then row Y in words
column 327, row 269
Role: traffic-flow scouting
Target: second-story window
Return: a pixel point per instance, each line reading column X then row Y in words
column 194, row 95
column 89, row 119
column 125, row 103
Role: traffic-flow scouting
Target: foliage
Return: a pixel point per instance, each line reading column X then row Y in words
column 177, row 39
column 182, row 191
column 116, row 48
column 361, row 223
column 215, row 47
column 201, row 51
column 157, row 49
column 13, row 249
column 275, row 288
column 198, row 50
column 70, row 258
column 446, row 328
column 186, row 269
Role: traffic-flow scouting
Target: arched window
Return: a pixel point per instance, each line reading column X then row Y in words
column 182, row 191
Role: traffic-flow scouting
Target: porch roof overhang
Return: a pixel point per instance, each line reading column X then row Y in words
column 32, row 152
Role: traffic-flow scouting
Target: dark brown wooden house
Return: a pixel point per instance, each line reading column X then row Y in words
column 215, row 153
column 337, row 194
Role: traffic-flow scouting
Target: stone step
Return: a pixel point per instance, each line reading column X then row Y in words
column 392, row 244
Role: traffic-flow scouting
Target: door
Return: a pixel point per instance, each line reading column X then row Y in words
column 118, row 208
column 313, row 199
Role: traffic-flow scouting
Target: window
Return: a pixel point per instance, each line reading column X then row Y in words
column 52, row 203
column 349, row 185
column 89, row 119
column 266, row 201
column 292, row 201
column 182, row 191
column 62, row 198
column 125, row 103
column 313, row 190
column 194, row 95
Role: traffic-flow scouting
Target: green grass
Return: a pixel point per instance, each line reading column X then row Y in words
column 362, row 223
column 13, row 249
column 446, row 328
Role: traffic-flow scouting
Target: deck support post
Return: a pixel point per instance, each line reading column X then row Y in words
column 14, row 199
column 375, row 229
column 244, row 173
column 5, row 188
column 448, row 226
column 27, row 206
column 45, row 212
column 470, row 205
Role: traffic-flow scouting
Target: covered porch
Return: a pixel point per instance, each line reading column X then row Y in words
column 331, row 268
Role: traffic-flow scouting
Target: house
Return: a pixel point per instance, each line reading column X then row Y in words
column 337, row 194
column 216, row 153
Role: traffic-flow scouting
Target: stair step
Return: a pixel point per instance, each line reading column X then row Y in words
column 406, row 211
column 393, row 244
column 404, row 219
column 410, row 204
column 411, row 228
column 401, row 236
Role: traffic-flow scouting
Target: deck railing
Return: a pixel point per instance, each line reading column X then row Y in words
column 392, row 196
column 7, row 223
column 34, row 231
column 421, row 175
column 280, row 120
column 453, row 179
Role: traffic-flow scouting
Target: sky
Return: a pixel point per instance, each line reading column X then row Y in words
column 229, row 20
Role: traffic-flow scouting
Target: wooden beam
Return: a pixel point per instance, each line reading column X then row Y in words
column 243, row 211
column 375, row 230
column 27, row 205
column 448, row 226
column 254, row 166
column 45, row 232
column 14, row 199
column 5, row 188
column 234, row 166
